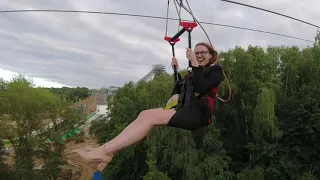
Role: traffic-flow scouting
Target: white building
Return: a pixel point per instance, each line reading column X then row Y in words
column 102, row 109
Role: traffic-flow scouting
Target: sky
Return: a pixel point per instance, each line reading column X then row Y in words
column 94, row 51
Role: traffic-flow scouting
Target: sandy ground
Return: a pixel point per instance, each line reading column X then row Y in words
column 87, row 169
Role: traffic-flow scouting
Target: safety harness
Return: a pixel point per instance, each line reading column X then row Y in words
column 187, row 96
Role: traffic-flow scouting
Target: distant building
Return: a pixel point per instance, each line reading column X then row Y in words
column 88, row 105
column 102, row 109
column 112, row 90
column 156, row 70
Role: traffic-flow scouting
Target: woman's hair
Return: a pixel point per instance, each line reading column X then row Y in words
column 212, row 51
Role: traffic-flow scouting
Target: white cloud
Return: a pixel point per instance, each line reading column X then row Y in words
column 39, row 82
column 102, row 50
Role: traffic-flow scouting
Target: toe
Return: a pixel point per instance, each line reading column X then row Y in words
column 106, row 159
column 102, row 165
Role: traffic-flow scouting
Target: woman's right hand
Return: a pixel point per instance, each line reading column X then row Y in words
column 174, row 63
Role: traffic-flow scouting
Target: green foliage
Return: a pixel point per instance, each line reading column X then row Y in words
column 25, row 117
column 4, row 170
column 53, row 160
column 308, row 176
column 71, row 94
column 253, row 174
column 263, row 115
column 154, row 173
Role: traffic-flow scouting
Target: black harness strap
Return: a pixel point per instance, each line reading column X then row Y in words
column 181, row 96
column 187, row 90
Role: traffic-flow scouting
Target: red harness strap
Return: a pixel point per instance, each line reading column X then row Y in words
column 211, row 96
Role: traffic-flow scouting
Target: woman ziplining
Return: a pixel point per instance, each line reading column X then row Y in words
column 190, row 107
column 206, row 78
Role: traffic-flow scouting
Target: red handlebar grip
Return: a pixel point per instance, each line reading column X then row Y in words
column 169, row 39
column 188, row 25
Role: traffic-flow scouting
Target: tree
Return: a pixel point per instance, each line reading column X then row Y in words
column 71, row 94
column 27, row 115
column 4, row 170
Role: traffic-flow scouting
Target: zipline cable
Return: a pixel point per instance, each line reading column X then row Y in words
column 273, row 12
column 167, row 19
column 178, row 12
column 152, row 17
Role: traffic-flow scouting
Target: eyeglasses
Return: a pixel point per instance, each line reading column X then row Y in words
column 202, row 53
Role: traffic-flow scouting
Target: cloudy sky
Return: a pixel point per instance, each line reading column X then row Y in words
column 94, row 50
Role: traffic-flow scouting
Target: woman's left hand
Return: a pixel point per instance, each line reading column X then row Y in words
column 192, row 57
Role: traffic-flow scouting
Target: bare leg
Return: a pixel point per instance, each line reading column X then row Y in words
column 132, row 134
column 139, row 128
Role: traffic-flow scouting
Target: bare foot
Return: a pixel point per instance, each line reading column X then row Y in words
column 95, row 154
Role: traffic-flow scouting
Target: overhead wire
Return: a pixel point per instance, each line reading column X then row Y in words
column 151, row 17
column 178, row 12
column 273, row 12
column 167, row 18
column 158, row 17
column 166, row 33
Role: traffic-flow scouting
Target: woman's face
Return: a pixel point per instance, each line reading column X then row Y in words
column 202, row 54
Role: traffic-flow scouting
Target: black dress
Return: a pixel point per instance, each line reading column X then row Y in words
column 196, row 115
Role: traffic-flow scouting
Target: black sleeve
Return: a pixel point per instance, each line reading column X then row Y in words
column 179, row 77
column 203, row 82
column 177, row 86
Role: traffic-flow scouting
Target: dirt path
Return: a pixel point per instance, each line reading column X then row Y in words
column 86, row 168
column 87, row 171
